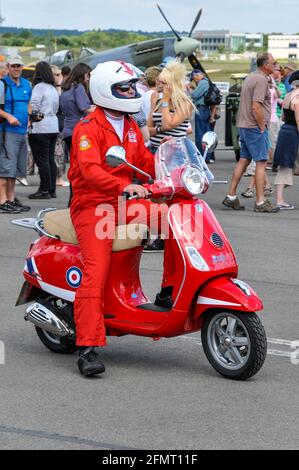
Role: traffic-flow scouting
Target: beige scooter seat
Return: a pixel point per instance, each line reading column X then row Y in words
column 59, row 223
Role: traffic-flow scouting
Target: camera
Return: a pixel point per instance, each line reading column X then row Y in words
column 36, row 116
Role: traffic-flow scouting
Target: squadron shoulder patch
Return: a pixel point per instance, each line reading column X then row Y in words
column 84, row 143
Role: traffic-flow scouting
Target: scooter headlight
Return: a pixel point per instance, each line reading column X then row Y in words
column 193, row 180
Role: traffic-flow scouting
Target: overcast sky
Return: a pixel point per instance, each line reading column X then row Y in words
column 236, row 15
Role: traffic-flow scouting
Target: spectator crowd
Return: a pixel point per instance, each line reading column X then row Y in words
column 268, row 123
column 38, row 120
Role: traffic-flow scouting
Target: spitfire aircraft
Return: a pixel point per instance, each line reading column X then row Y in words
column 142, row 54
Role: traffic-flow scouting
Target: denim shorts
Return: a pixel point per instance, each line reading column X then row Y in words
column 13, row 155
column 254, row 144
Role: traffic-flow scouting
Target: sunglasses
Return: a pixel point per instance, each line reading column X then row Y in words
column 126, row 86
column 15, row 66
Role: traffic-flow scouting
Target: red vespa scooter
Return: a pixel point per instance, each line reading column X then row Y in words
column 207, row 294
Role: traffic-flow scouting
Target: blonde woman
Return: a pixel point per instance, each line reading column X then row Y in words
column 170, row 117
column 172, row 112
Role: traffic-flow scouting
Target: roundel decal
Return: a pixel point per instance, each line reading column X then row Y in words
column 73, row 277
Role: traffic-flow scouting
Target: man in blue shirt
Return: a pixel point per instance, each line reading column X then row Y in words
column 203, row 114
column 14, row 149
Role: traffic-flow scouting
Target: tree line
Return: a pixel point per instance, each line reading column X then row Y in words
column 97, row 39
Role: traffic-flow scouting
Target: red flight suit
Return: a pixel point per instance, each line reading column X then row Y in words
column 94, row 182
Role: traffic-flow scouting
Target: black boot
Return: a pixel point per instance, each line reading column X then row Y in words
column 155, row 246
column 89, row 362
column 164, row 298
column 40, row 195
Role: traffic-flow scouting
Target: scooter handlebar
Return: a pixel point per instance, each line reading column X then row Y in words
column 129, row 197
column 158, row 190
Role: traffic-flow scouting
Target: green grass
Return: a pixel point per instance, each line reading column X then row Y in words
column 226, row 69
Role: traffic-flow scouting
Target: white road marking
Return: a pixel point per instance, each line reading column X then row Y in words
column 277, row 352
column 192, row 338
column 271, row 352
column 283, row 342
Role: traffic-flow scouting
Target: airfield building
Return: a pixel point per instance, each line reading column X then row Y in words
column 214, row 41
column 282, row 46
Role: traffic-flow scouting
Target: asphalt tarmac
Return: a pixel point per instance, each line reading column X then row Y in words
column 158, row 395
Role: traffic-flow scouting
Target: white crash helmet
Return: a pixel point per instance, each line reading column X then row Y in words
column 103, row 81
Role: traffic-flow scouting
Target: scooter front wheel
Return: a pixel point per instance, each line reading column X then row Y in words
column 235, row 343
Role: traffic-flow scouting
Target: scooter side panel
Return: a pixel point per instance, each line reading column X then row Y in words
column 54, row 267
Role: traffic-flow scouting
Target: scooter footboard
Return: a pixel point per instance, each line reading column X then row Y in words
column 227, row 293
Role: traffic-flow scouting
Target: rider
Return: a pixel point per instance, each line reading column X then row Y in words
column 94, row 182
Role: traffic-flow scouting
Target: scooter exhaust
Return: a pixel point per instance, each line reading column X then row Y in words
column 44, row 318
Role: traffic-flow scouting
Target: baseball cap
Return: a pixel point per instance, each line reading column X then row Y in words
column 195, row 72
column 15, row 60
column 294, row 77
column 290, row 66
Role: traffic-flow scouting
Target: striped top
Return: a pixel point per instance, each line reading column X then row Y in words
column 274, row 101
column 178, row 132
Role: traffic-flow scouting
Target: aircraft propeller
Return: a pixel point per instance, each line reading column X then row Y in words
column 186, row 46
column 195, row 22
column 165, row 18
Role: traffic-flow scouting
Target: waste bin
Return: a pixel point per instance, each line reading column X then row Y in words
column 231, row 110
column 231, row 132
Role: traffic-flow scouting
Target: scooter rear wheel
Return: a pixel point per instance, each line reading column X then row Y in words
column 235, row 343
column 50, row 340
column 54, row 343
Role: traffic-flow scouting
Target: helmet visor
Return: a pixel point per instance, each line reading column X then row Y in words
column 125, row 90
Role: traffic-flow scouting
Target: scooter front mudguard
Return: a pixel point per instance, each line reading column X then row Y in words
column 227, row 294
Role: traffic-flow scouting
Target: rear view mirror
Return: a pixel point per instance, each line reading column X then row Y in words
column 116, row 156
column 210, row 141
